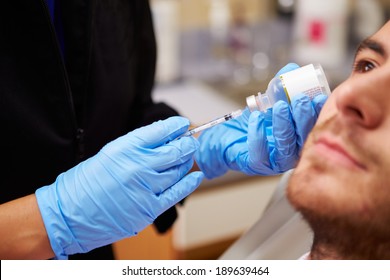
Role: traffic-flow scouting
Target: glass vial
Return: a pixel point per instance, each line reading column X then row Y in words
column 309, row 80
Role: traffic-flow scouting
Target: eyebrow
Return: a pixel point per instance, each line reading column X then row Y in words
column 372, row 45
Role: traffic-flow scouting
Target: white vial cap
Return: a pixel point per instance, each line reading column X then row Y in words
column 258, row 103
column 251, row 102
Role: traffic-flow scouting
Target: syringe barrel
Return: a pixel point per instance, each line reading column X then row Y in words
column 214, row 122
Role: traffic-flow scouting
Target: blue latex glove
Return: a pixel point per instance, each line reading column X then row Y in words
column 120, row 190
column 241, row 144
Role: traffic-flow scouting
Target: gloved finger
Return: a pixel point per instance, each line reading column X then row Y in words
column 203, row 157
column 218, row 146
column 304, row 116
column 235, row 154
column 158, row 182
column 236, row 146
column 173, row 153
column 283, row 128
column 180, row 190
column 257, row 141
column 159, row 132
column 285, row 151
column 318, row 102
column 257, row 144
column 287, row 68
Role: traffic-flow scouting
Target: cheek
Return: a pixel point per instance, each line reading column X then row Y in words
column 328, row 110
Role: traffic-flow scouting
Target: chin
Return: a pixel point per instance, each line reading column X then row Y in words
column 296, row 189
column 321, row 193
column 311, row 189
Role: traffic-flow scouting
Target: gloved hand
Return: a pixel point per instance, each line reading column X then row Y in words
column 122, row 189
column 241, row 144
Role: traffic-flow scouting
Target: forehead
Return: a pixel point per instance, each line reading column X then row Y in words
column 379, row 44
column 383, row 35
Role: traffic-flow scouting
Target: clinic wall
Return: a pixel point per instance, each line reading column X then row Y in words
column 196, row 14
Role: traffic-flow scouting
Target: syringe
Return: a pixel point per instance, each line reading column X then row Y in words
column 214, row 122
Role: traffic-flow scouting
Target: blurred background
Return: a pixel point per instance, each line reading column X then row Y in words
column 212, row 54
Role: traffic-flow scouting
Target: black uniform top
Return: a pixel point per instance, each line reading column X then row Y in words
column 54, row 114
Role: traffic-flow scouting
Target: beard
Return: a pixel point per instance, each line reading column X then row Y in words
column 349, row 219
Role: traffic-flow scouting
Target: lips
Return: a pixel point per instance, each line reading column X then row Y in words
column 334, row 151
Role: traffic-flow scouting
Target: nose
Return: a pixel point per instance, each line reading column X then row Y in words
column 358, row 100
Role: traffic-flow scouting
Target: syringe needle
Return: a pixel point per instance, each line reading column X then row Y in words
column 214, row 122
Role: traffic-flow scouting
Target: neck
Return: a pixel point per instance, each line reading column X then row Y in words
column 325, row 249
column 335, row 240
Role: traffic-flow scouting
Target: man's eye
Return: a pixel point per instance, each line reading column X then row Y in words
column 363, row 66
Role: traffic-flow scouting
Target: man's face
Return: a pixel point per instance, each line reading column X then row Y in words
column 344, row 171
